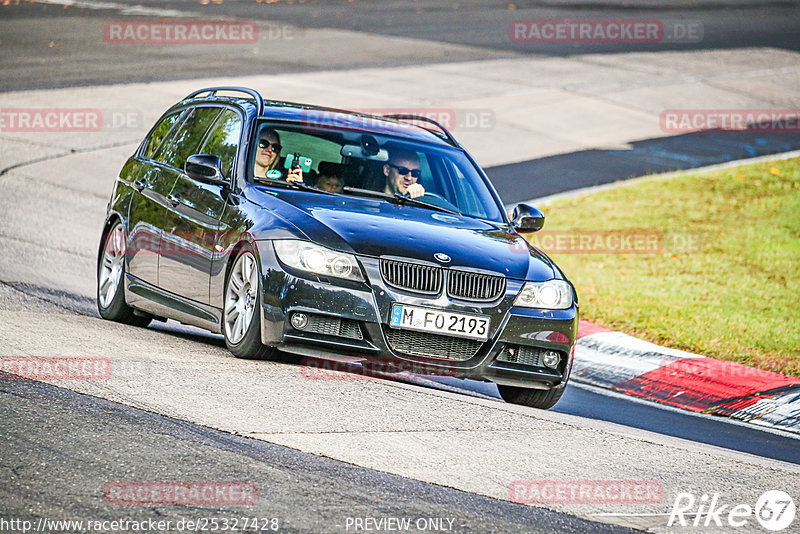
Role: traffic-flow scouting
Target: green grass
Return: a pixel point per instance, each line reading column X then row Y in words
column 736, row 297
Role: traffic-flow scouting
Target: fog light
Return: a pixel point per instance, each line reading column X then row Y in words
column 299, row 320
column 551, row 359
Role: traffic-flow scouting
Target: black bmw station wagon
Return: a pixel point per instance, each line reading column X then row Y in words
column 331, row 234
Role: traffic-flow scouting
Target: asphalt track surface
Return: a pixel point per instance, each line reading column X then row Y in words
column 308, row 492
column 579, row 399
column 304, row 492
column 566, row 172
column 60, row 46
column 598, row 403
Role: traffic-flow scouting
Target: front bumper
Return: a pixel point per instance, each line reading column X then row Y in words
column 363, row 310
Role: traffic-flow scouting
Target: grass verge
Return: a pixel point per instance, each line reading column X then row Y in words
column 707, row 262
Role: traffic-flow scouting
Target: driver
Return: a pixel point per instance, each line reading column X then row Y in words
column 402, row 172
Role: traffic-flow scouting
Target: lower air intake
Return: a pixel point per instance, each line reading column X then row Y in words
column 431, row 345
column 522, row 355
column 334, row 326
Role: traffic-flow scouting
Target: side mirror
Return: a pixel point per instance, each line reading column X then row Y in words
column 527, row 218
column 205, row 168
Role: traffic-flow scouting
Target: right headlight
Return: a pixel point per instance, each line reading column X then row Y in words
column 549, row 295
column 312, row 258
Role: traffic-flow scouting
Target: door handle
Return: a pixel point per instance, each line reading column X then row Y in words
column 174, row 200
column 139, row 185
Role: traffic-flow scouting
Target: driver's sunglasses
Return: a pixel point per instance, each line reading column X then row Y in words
column 263, row 143
column 415, row 173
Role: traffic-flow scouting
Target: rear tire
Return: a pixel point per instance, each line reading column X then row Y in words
column 535, row 398
column 241, row 317
column 111, row 280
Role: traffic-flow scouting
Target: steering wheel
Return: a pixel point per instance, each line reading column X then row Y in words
column 442, row 202
column 435, row 195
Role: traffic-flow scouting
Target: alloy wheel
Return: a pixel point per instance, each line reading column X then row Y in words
column 240, row 297
column 111, row 266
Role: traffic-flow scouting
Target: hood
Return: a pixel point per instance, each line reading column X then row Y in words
column 375, row 227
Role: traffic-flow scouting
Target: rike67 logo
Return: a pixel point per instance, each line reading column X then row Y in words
column 774, row 510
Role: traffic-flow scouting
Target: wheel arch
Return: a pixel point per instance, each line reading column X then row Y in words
column 111, row 220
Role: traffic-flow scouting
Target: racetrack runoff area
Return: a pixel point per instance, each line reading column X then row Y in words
column 539, row 107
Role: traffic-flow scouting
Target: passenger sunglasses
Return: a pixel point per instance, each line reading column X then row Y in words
column 405, row 170
column 263, row 143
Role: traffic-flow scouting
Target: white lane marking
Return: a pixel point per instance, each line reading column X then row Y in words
column 124, row 9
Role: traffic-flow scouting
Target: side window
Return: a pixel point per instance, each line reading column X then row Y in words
column 224, row 140
column 426, row 178
column 159, row 133
column 186, row 138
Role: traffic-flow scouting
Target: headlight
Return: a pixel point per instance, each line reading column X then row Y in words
column 550, row 295
column 311, row 258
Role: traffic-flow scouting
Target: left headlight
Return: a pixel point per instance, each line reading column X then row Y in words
column 311, row 258
column 549, row 295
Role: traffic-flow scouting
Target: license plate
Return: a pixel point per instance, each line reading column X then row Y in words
column 440, row 322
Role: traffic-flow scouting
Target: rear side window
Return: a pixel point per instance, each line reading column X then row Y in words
column 224, row 140
column 159, row 133
column 186, row 138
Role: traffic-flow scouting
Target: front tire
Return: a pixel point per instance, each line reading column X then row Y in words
column 111, row 280
column 241, row 318
column 535, row 398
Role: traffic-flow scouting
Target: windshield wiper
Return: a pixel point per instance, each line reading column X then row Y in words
column 402, row 199
column 397, row 198
column 288, row 185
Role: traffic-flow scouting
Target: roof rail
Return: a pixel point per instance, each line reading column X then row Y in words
column 411, row 116
column 212, row 91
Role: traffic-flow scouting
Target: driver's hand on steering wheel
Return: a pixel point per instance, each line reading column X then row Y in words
column 415, row 190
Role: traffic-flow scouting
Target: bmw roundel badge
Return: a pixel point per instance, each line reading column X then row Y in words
column 444, row 258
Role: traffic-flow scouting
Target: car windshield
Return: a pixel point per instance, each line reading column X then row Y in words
column 358, row 163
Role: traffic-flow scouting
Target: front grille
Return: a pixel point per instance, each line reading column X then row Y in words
column 522, row 355
column 412, row 276
column 333, row 326
column 431, row 345
column 475, row 286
